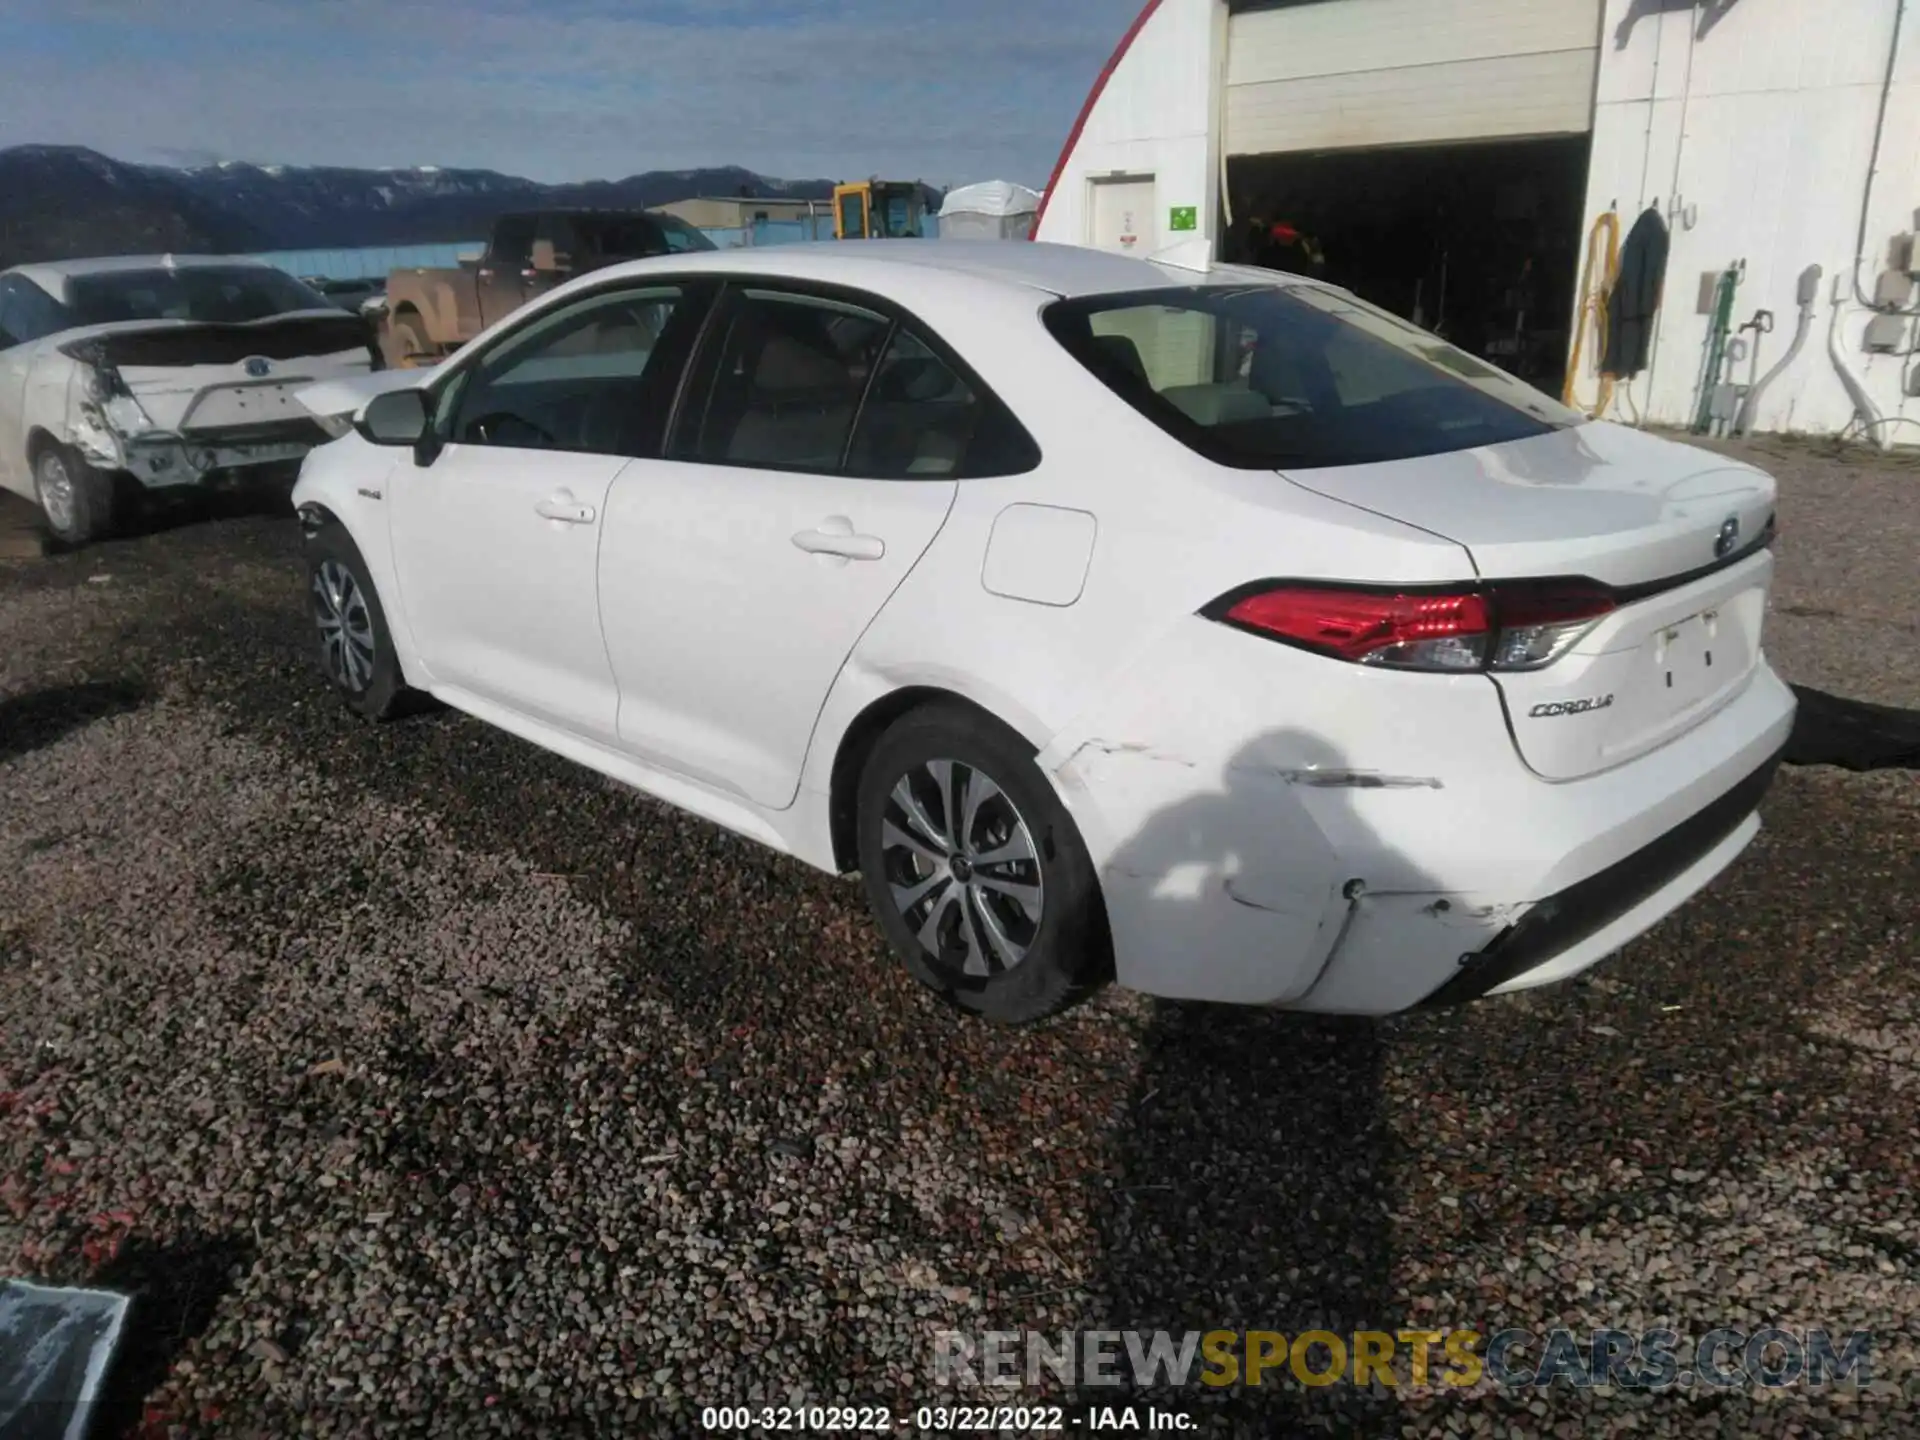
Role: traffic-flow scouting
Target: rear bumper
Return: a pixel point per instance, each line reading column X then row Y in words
column 1275, row 829
column 160, row 461
column 1565, row 933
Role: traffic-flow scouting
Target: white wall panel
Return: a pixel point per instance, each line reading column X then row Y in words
column 1763, row 133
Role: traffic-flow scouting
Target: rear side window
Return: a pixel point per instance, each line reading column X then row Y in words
column 830, row 386
column 919, row 417
column 792, row 372
column 1296, row 377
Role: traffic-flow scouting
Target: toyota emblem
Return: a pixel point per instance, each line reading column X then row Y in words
column 1728, row 538
column 256, row 367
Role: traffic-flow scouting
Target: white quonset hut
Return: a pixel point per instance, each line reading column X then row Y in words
column 1452, row 158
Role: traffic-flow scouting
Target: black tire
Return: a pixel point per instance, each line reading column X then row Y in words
column 351, row 633
column 77, row 501
column 1066, row 956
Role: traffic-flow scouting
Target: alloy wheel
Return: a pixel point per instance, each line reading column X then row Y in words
column 346, row 626
column 56, row 491
column 962, row 868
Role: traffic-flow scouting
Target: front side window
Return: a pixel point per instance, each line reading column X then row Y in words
column 791, row 375
column 211, row 294
column 587, row 377
column 1296, row 377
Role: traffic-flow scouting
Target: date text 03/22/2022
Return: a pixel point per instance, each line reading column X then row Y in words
column 943, row 1419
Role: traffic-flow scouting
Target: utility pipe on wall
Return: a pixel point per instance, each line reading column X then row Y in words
column 1809, row 296
column 1863, row 407
column 1873, row 162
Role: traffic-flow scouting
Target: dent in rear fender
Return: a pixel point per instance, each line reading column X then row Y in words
column 1245, row 803
column 1218, row 886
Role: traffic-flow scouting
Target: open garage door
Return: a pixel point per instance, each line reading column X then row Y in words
column 1339, row 74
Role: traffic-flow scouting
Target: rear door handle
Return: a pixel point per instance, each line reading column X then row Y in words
column 564, row 508
column 835, row 537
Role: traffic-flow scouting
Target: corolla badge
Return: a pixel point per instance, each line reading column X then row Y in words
column 1728, row 538
column 256, row 367
column 1571, row 707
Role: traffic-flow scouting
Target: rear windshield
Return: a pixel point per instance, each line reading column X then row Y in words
column 213, row 294
column 1266, row 377
column 630, row 237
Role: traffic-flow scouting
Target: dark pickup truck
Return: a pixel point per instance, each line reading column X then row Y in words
column 431, row 313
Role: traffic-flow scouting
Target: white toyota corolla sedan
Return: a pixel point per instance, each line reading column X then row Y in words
column 1204, row 629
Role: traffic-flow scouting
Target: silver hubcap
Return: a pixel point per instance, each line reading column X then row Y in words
column 56, row 492
column 962, row 868
column 346, row 626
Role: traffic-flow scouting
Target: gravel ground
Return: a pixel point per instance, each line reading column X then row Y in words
column 423, row 1083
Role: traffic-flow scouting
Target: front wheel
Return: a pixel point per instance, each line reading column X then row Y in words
column 356, row 647
column 975, row 870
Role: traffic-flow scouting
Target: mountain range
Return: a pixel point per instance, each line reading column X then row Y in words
column 64, row 202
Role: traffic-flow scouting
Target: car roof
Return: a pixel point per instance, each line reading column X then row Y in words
column 52, row 275
column 1064, row 270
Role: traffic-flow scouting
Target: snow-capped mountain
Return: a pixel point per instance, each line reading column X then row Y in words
column 64, row 201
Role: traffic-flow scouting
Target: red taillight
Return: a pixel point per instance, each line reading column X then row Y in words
column 1522, row 626
column 1425, row 632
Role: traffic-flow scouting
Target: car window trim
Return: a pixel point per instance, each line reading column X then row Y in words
column 705, row 362
column 700, row 290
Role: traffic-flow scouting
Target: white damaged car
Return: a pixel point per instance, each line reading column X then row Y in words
column 158, row 373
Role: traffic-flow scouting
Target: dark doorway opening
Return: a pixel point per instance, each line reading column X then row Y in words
column 1479, row 242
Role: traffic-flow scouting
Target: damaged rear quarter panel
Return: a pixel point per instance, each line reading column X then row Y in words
column 1255, row 811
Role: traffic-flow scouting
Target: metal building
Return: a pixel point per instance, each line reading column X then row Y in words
column 1454, row 161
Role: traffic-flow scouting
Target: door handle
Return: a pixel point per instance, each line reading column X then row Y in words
column 564, row 508
column 835, row 537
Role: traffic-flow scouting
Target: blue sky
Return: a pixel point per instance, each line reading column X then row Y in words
column 948, row 91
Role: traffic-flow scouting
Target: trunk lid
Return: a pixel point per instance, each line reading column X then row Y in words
column 192, row 378
column 1680, row 534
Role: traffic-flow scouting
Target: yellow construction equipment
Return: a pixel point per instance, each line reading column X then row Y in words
column 879, row 210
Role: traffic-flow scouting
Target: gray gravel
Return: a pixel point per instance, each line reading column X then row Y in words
column 423, row 1083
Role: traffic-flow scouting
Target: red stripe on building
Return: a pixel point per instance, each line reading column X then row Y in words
column 1086, row 110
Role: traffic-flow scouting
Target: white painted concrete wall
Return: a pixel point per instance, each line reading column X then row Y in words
column 1158, row 116
column 1761, row 132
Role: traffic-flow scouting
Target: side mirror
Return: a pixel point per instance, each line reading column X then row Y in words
column 397, row 417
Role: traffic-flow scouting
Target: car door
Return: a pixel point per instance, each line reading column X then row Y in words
column 814, row 458
column 496, row 536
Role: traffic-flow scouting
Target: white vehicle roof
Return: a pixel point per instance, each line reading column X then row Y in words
column 1064, row 270
column 52, row 275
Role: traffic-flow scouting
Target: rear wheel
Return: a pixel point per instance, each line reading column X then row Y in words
column 976, row 871
column 410, row 345
column 76, row 499
column 356, row 647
